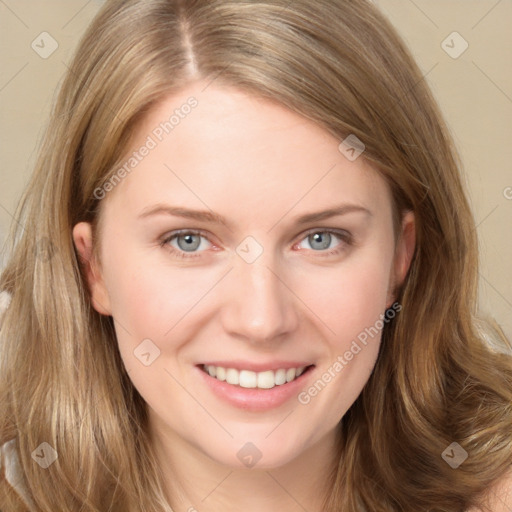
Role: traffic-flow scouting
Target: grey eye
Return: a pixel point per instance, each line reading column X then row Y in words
column 321, row 240
column 188, row 242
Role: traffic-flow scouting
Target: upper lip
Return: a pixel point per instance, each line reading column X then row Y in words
column 257, row 367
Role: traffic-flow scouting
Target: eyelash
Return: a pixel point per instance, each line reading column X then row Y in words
column 345, row 237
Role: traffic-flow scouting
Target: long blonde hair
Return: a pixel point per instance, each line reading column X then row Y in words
column 340, row 64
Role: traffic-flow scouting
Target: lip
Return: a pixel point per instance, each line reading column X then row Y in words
column 255, row 400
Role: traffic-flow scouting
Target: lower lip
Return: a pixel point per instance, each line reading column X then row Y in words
column 255, row 399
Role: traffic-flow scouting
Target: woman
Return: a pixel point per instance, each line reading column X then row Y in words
column 256, row 287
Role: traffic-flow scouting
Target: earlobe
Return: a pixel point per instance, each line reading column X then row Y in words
column 403, row 254
column 83, row 240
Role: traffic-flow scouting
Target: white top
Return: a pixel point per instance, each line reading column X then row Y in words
column 8, row 453
column 13, row 473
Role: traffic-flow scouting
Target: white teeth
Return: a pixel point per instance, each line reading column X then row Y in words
column 280, row 377
column 232, row 376
column 266, row 380
column 249, row 379
column 290, row 374
column 221, row 373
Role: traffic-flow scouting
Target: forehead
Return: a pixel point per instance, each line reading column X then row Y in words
column 232, row 148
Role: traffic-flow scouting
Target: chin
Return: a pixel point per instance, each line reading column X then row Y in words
column 256, row 454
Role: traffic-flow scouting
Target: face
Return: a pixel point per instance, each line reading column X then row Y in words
column 244, row 240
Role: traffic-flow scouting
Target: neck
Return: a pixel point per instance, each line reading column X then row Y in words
column 195, row 482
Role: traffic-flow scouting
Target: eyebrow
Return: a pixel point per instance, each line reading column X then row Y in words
column 215, row 218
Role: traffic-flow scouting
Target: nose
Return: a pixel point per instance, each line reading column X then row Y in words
column 258, row 306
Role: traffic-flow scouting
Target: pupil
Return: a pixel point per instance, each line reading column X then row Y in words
column 191, row 242
column 322, row 239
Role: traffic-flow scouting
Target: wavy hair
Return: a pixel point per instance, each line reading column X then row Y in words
column 341, row 64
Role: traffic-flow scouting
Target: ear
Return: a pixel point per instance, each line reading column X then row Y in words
column 404, row 252
column 82, row 237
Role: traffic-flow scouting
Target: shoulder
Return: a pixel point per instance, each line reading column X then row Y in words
column 499, row 497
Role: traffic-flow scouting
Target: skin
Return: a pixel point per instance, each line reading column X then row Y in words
column 260, row 166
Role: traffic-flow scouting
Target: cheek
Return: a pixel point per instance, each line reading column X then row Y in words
column 351, row 297
column 149, row 299
column 350, row 304
column 155, row 303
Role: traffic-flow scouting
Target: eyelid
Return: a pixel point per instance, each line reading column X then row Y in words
column 342, row 233
column 185, row 231
column 345, row 236
column 168, row 237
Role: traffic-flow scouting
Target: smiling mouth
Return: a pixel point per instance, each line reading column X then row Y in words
column 255, row 380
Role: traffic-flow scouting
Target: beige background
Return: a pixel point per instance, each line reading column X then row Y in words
column 474, row 91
